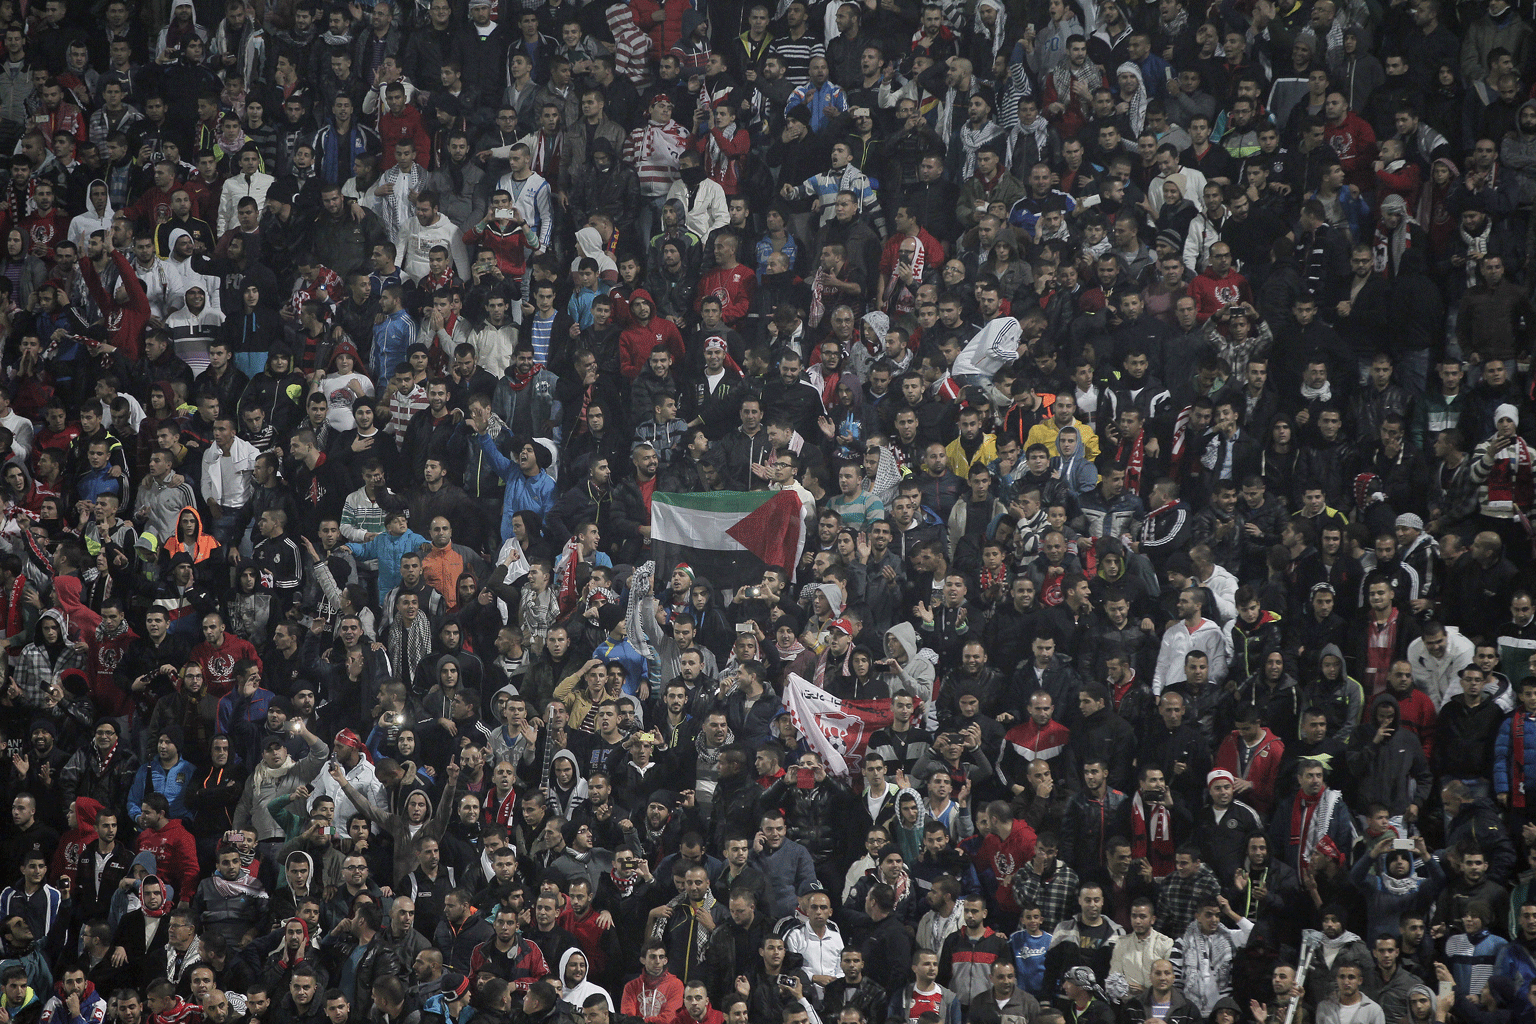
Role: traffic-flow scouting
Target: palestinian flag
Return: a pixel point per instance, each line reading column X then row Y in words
column 727, row 537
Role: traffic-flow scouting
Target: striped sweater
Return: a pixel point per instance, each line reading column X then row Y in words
column 653, row 150
column 632, row 47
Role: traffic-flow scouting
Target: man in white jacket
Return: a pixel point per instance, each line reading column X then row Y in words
column 1193, row 632
column 180, row 276
column 701, row 196
column 227, row 467
column 249, row 182
column 427, row 229
column 1437, row 657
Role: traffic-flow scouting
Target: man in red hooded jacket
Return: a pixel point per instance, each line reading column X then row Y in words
column 645, row 332
column 174, row 849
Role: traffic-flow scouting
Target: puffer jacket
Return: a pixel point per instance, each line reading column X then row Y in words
column 816, row 818
column 1503, row 753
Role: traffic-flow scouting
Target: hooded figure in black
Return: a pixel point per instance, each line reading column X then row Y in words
column 1387, row 761
column 278, row 391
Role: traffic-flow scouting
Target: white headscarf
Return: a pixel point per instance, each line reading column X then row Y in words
column 579, row 994
column 1138, row 112
column 999, row 34
column 81, row 227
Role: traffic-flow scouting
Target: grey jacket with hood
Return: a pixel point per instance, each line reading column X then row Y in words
column 918, row 673
column 1518, row 153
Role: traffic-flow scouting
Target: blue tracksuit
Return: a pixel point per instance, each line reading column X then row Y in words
column 524, row 493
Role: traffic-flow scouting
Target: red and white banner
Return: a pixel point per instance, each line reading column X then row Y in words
column 838, row 730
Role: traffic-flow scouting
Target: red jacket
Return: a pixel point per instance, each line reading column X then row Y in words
column 733, row 287
column 510, row 246
column 175, row 853
column 1405, row 182
column 67, row 118
column 1263, row 768
column 589, row 936
column 1417, row 712
column 735, row 147
column 1211, row 294
column 404, row 125
column 520, row 967
column 639, row 340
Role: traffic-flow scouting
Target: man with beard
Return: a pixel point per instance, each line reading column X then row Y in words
column 508, row 955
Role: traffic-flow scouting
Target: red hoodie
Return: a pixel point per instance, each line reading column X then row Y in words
column 639, row 340
column 1353, row 141
column 125, row 324
column 405, row 125
column 219, row 662
column 175, row 853
column 714, row 1016
column 1005, row 856
column 74, row 845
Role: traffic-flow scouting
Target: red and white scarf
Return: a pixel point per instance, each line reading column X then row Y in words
column 1152, row 838
column 1510, row 487
column 1133, row 456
